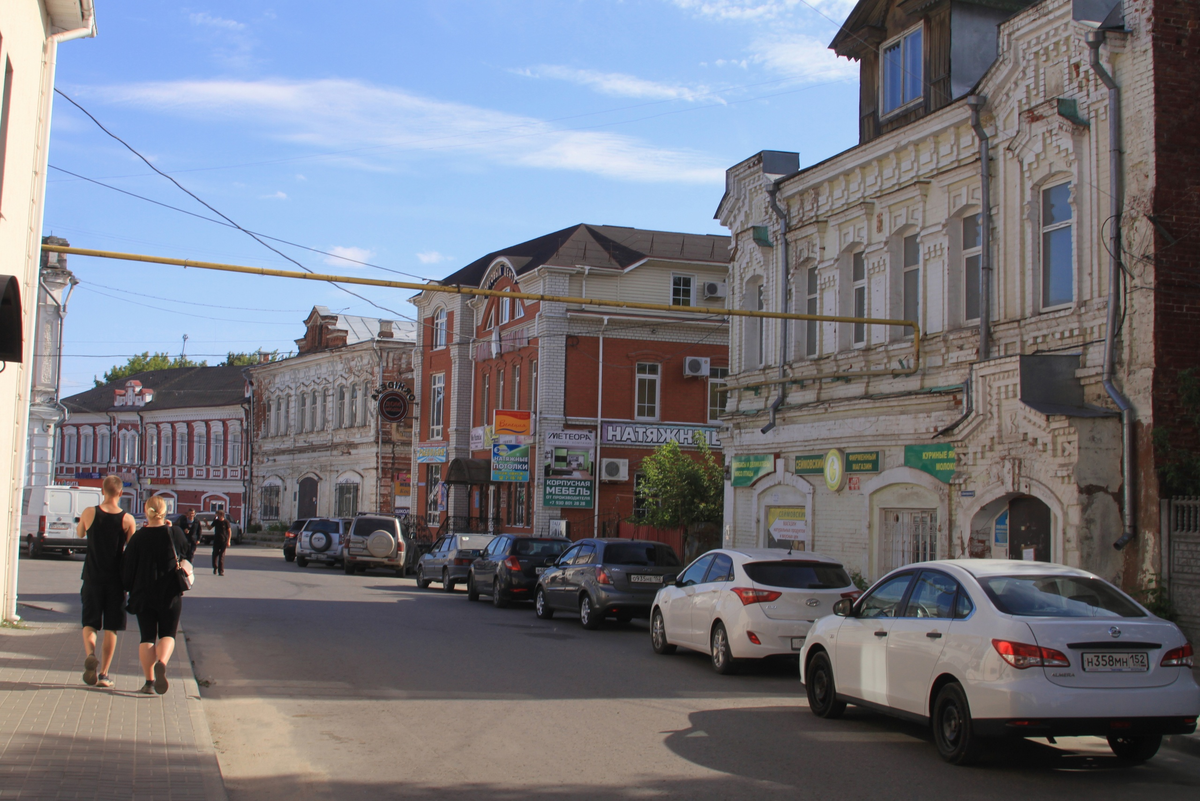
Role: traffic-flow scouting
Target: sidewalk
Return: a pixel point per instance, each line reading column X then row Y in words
column 60, row 738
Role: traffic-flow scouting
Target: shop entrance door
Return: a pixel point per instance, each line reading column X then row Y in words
column 306, row 506
column 1029, row 526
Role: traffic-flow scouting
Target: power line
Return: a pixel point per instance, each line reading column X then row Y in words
column 183, row 313
column 190, row 302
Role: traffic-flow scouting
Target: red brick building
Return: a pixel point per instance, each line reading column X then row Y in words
column 598, row 389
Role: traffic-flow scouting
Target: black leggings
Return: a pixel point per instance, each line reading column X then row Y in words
column 157, row 622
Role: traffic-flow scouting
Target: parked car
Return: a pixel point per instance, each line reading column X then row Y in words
column 599, row 578
column 509, row 567
column 450, row 559
column 49, row 515
column 206, row 520
column 982, row 648
column 736, row 604
column 321, row 540
column 289, row 539
column 375, row 540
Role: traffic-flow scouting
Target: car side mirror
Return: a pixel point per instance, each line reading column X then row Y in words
column 844, row 608
column 679, row 581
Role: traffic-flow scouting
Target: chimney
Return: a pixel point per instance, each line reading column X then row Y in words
column 263, row 357
column 56, row 260
column 385, row 329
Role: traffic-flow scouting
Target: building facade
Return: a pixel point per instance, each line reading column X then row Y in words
column 178, row 433
column 320, row 447
column 30, row 32
column 1002, row 439
column 536, row 414
column 46, row 412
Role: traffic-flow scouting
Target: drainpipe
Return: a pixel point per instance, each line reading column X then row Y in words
column 976, row 103
column 599, row 417
column 1094, row 40
column 772, row 192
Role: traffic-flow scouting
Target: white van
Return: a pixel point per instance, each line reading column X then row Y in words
column 49, row 516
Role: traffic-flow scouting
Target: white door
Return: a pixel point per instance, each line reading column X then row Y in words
column 916, row 640
column 860, row 669
column 708, row 592
column 60, row 514
column 677, row 617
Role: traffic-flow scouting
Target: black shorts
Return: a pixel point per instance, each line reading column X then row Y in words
column 103, row 606
column 158, row 622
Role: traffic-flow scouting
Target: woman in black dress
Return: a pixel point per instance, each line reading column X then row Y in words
column 148, row 570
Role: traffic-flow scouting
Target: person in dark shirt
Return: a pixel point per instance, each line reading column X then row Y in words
column 191, row 529
column 221, row 536
column 107, row 528
column 148, row 570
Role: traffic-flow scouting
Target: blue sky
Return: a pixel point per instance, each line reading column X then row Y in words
column 413, row 135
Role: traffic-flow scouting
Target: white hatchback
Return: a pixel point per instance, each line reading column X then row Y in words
column 746, row 604
column 981, row 648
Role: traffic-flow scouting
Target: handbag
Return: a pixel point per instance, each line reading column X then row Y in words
column 184, row 571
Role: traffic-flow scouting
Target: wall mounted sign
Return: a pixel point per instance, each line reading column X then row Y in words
column 862, row 462
column 569, row 469
column 750, row 467
column 1000, row 529
column 510, row 461
column 393, row 406
column 482, row 438
column 512, row 423
column 936, row 460
column 431, row 453
column 654, row 435
column 835, row 470
column 810, row 464
column 397, row 386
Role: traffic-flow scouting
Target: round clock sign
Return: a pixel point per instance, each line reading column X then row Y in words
column 393, row 406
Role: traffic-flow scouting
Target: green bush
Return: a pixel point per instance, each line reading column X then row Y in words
column 254, row 528
column 1153, row 596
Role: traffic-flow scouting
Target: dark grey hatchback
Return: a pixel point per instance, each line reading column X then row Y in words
column 599, row 578
column 509, row 567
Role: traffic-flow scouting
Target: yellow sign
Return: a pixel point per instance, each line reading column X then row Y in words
column 789, row 524
column 835, row 470
column 512, row 423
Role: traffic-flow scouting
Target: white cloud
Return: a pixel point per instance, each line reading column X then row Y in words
column 432, row 257
column 802, row 57
column 756, row 10
column 616, row 84
column 276, row 196
column 346, row 257
column 208, row 20
column 381, row 125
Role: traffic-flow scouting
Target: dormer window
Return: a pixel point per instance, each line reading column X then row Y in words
column 901, row 66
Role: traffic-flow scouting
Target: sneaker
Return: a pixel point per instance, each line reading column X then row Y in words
column 147, row 688
column 103, row 680
column 89, row 670
column 160, row 678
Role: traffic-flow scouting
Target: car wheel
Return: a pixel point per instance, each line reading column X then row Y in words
column 472, row 590
column 498, row 600
column 447, row 584
column 658, row 634
column 289, row 557
column 821, row 689
column 1135, row 749
column 422, row 582
column 589, row 618
column 722, row 657
column 541, row 607
column 953, row 734
column 348, row 568
column 301, row 561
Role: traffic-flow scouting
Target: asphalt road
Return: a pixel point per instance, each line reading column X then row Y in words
column 319, row 685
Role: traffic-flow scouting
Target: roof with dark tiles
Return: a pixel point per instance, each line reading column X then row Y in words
column 175, row 388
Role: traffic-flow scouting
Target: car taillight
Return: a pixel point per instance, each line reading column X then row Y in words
column 513, row 564
column 753, row 638
column 602, row 576
column 461, row 562
column 750, row 596
column 42, row 526
column 1183, row 656
column 1021, row 655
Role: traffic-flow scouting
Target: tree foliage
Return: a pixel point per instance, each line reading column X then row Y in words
column 1179, row 467
column 146, row 361
column 247, row 359
column 678, row 490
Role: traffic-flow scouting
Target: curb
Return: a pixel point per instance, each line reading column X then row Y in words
column 1183, row 743
column 214, row 784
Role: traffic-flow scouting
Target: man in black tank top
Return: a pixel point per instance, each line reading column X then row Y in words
column 107, row 528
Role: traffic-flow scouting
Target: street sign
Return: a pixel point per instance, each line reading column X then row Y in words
column 393, row 406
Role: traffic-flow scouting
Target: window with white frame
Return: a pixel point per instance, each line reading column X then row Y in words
column 505, row 309
column 901, row 70
column 491, row 320
column 103, row 445
column 302, row 417
column 1058, row 267
column 353, row 405
column 341, row 408
column 485, row 398
column 287, row 415
column 200, row 448
column 152, row 445
column 433, row 481
column 499, row 389
column 858, row 277
column 533, row 386
column 270, row 501
column 218, row 445
column 272, row 418
column 911, row 280
column 346, row 499
column 647, row 391
column 972, row 255
column 811, row 335
column 516, row 385
column 235, row 445
column 366, row 403
column 324, row 409
column 312, row 413
column 69, row 454
column 181, row 445
column 439, row 328
column 85, row 445
column 518, row 309
column 683, row 291
column 437, row 390
column 716, row 397
column 167, row 448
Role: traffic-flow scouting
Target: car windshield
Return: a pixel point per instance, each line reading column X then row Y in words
column 525, row 547
column 328, row 526
column 798, row 575
column 1058, row 596
column 367, row 525
column 640, row 554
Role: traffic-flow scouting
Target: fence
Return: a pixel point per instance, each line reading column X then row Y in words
column 1181, row 560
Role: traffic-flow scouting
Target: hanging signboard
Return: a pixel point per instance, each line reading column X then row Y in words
column 512, row 423
column 431, row 453
column 862, row 462
column 788, row 524
column 653, row 435
column 569, row 466
column 936, row 460
column 510, row 461
column 751, row 467
column 393, row 406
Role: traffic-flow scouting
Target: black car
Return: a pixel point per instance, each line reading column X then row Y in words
column 509, row 567
column 599, row 578
column 289, row 539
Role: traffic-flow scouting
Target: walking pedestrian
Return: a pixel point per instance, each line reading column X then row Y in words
column 221, row 537
column 150, row 576
column 191, row 529
column 107, row 528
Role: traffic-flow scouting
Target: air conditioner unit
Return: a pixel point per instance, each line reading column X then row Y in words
column 714, row 289
column 614, row 469
column 695, row 366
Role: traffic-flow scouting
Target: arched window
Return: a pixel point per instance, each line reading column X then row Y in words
column 302, row 417
column 366, row 402
column 85, row 445
column 200, row 444
column 166, row 444
column 341, row 407
column 324, row 409
column 181, row 445
column 218, row 445
column 439, row 328
column 312, row 414
column 235, row 444
column 69, row 454
column 103, row 451
column 152, row 445
column 353, row 405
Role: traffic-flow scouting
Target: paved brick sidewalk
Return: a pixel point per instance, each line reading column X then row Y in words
column 60, row 738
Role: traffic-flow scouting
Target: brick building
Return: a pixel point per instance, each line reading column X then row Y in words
column 178, row 433
column 1007, row 439
column 319, row 446
column 593, row 390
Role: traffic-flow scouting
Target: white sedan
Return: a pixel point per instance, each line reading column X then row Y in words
column 981, row 648
column 746, row 604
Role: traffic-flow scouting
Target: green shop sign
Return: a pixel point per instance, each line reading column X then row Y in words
column 810, row 464
column 567, row 493
column 862, row 462
column 750, row 468
column 936, row 460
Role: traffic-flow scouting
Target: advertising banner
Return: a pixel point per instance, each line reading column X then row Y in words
column 936, row 460
column 432, row 453
column 788, row 524
column 482, row 438
column 653, row 435
column 751, row 467
column 569, row 465
column 810, row 464
column 862, row 462
column 512, row 423
column 510, row 462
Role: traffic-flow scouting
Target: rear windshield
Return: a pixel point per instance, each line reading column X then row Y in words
column 1058, row 596
column 640, row 554
column 525, row 547
column 328, row 526
column 366, row 525
column 798, row 575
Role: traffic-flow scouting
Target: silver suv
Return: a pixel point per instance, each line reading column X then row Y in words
column 375, row 541
column 321, row 540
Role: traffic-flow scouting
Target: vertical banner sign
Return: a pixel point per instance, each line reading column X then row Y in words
column 512, row 423
column 788, row 525
column 510, row 461
column 569, row 465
